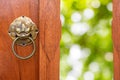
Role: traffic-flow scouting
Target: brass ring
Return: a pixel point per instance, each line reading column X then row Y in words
column 21, row 57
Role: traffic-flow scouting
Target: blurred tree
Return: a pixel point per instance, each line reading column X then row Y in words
column 86, row 44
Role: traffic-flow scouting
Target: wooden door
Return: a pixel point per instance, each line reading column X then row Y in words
column 44, row 65
column 116, row 38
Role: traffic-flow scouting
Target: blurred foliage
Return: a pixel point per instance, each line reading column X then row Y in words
column 86, row 44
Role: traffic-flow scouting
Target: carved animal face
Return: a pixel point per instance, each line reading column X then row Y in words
column 23, row 27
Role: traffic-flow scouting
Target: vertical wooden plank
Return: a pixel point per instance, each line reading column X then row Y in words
column 116, row 65
column 116, row 38
column 12, row 68
column 50, row 32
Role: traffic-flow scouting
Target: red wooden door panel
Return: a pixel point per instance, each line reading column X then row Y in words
column 116, row 38
column 50, row 30
column 12, row 68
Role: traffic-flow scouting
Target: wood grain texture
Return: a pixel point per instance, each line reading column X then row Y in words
column 50, row 32
column 116, row 38
column 12, row 68
column 44, row 65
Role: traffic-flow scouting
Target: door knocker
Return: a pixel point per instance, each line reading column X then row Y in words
column 23, row 31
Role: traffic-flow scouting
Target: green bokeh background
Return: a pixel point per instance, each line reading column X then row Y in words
column 86, row 44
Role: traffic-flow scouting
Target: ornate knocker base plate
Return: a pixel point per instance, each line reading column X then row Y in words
column 23, row 27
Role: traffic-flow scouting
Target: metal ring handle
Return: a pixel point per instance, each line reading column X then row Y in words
column 21, row 57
